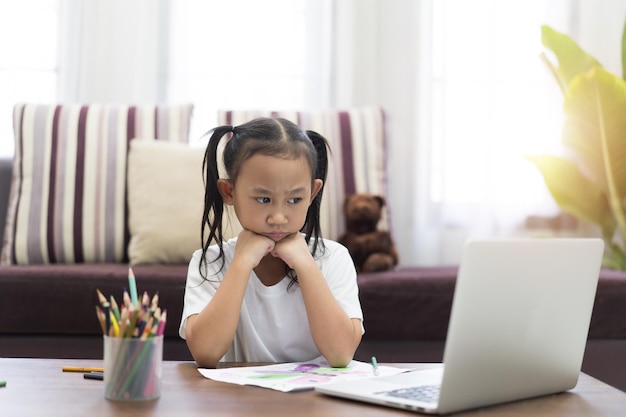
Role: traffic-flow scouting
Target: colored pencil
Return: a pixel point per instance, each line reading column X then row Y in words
column 81, row 369
column 162, row 321
column 115, row 309
column 107, row 317
column 101, row 297
column 132, row 284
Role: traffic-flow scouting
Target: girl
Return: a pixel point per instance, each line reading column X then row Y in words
column 277, row 292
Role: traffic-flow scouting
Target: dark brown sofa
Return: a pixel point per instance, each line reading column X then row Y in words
column 48, row 310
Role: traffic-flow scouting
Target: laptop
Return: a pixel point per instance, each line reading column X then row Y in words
column 518, row 328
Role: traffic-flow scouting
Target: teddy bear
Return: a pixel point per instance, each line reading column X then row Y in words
column 372, row 250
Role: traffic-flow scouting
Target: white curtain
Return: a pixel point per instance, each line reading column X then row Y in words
column 113, row 51
column 492, row 103
column 215, row 54
column 28, row 60
column 249, row 54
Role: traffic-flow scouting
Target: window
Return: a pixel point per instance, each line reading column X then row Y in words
column 28, row 62
column 222, row 58
column 493, row 103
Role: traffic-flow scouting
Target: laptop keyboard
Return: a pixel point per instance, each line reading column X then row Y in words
column 423, row 393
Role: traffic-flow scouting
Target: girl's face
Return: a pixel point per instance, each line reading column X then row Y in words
column 272, row 195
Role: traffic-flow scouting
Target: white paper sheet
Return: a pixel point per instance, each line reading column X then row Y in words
column 296, row 376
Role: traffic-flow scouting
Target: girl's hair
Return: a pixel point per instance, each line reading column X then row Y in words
column 265, row 136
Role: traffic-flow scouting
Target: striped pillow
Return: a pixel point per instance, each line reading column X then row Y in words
column 358, row 161
column 68, row 195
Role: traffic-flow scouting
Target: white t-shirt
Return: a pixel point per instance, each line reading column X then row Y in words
column 273, row 324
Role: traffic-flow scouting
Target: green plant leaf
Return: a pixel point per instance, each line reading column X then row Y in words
column 595, row 128
column 591, row 184
column 574, row 192
column 572, row 59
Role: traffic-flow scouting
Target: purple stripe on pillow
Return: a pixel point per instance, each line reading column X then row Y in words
column 52, row 185
column 131, row 125
column 79, row 256
column 61, row 191
column 130, row 134
column 229, row 117
column 365, row 140
column 346, row 153
column 112, row 165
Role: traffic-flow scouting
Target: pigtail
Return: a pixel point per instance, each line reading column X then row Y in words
column 312, row 227
column 213, row 212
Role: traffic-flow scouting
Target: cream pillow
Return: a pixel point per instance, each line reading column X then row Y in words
column 165, row 202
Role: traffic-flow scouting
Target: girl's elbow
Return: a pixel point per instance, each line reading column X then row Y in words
column 204, row 359
column 339, row 363
column 206, row 362
column 341, row 358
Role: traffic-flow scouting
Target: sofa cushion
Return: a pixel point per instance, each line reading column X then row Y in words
column 68, row 193
column 357, row 162
column 165, row 202
column 407, row 303
column 61, row 299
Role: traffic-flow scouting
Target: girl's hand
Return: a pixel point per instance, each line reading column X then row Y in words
column 251, row 248
column 292, row 249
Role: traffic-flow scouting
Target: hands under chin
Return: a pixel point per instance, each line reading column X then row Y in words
column 291, row 249
column 253, row 247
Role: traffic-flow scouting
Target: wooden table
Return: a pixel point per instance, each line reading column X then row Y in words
column 38, row 387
